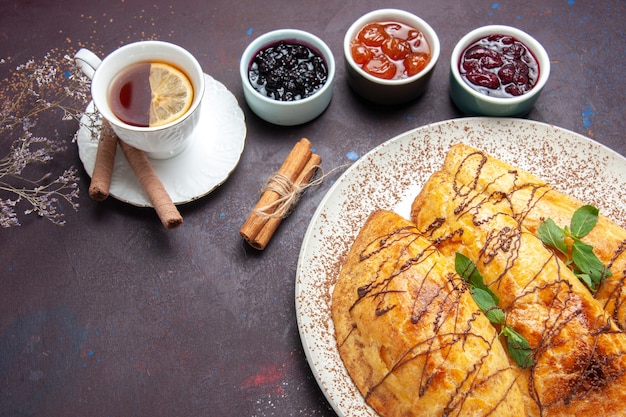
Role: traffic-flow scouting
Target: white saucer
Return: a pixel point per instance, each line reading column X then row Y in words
column 212, row 154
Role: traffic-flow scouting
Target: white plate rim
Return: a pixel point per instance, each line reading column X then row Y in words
column 564, row 158
column 214, row 152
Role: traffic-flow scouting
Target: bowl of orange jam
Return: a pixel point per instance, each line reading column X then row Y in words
column 390, row 56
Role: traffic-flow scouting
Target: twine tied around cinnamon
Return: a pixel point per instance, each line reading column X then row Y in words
column 280, row 194
column 289, row 193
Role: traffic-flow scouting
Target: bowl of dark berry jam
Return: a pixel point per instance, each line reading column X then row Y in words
column 287, row 76
column 390, row 56
column 498, row 70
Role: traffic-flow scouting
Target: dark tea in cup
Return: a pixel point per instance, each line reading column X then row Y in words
column 171, row 88
column 148, row 94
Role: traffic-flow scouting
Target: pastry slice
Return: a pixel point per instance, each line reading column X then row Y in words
column 533, row 201
column 409, row 333
column 579, row 354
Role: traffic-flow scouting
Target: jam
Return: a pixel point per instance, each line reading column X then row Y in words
column 287, row 71
column 499, row 66
column 390, row 50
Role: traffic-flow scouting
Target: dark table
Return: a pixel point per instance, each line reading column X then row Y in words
column 113, row 315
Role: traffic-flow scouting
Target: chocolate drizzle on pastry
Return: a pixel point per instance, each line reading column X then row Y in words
column 410, row 334
column 579, row 352
column 414, row 341
column 532, row 201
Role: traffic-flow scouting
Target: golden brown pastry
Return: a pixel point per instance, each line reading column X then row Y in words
column 409, row 333
column 532, row 202
column 579, row 355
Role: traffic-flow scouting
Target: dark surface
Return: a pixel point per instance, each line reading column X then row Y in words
column 112, row 315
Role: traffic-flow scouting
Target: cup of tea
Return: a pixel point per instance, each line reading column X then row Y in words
column 150, row 93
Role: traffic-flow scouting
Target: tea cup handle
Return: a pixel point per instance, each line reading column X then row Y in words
column 87, row 62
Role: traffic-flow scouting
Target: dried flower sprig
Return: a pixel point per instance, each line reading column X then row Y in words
column 51, row 86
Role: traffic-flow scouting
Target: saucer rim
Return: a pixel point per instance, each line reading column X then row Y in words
column 138, row 197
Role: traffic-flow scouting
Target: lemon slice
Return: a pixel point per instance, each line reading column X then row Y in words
column 172, row 94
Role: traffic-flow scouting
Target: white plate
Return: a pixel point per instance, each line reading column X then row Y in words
column 213, row 153
column 391, row 175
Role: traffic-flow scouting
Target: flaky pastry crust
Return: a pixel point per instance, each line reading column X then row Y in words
column 532, row 202
column 409, row 333
column 579, row 353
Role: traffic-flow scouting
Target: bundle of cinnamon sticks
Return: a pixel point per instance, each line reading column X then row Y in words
column 280, row 194
column 140, row 164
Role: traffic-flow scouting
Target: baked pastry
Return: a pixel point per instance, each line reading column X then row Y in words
column 579, row 354
column 409, row 333
column 533, row 201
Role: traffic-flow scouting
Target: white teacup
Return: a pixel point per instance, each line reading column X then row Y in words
column 158, row 142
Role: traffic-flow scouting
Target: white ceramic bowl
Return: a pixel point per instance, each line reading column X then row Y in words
column 473, row 102
column 395, row 91
column 287, row 113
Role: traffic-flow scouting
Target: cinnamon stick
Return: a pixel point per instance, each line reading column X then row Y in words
column 103, row 167
column 264, row 236
column 160, row 199
column 298, row 168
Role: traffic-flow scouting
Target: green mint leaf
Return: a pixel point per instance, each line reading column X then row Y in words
column 487, row 305
column 583, row 220
column 468, row 271
column 552, row 235
column 487, row 301
column 518, row 347
column 586, row 279
column 588, row 263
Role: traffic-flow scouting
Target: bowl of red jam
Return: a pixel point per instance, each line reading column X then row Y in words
column 498, row 70
column 390, row 56
column 287, row 76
